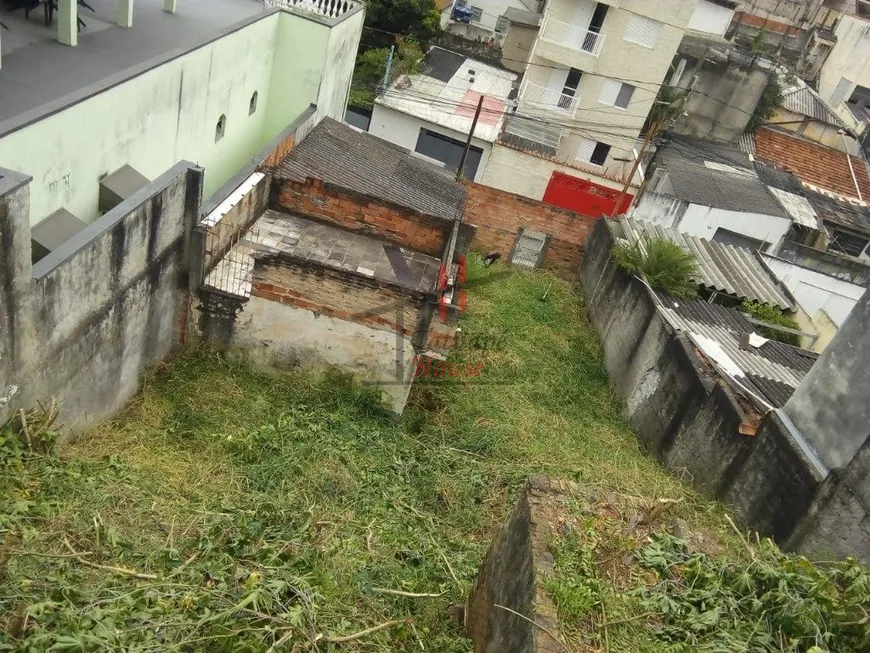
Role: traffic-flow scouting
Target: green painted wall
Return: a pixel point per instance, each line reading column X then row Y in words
column 170, row 113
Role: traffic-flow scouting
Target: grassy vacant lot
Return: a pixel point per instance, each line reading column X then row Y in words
column 256, row 510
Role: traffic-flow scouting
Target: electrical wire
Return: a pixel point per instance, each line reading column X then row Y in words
column 657, row 85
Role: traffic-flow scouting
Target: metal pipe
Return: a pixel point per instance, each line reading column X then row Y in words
column 851, row 169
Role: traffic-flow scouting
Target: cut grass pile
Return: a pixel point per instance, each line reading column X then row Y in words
column 259, row 510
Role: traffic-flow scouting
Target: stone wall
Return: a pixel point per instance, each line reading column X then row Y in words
column 362, row 214
column 499, row 216
column 89, row 317
column 685, row 414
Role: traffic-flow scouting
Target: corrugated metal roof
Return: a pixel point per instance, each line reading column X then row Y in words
column 804, row 101
column 724, row 268
column 799, row 208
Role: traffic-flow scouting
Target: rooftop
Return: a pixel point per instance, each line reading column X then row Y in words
column 447, row 90
column 310, row 241
column 357, row 161
column 716, row 175
column 805, row 101
column 812, row 163
column 730, row 270
column 770, row 371
column 37, row 70
column 522, row 17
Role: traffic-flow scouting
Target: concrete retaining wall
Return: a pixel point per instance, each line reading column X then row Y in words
column 687, row 416
column 89, row 317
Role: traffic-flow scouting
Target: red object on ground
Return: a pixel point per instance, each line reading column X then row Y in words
column 584, row 197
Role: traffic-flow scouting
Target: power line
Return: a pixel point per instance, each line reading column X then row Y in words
column 657, row 85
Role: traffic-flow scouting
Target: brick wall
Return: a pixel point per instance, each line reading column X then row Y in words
column 365, row 215
column 342, row 296
column 499, row 216
column 282, row 149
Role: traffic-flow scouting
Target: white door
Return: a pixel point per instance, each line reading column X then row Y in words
column 582, row 15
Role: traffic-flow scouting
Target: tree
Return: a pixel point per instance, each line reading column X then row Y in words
column 418, row 19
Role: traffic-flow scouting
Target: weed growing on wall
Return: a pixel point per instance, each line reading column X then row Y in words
column 663, row 263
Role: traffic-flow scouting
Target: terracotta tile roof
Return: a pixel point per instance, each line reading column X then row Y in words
column 812, row 163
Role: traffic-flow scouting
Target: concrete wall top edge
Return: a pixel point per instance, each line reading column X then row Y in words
column 97, row 228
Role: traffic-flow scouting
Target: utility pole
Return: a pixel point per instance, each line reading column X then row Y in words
column 468, row 142
column 653, row 131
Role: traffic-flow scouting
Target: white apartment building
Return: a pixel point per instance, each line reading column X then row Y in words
column 592, row 78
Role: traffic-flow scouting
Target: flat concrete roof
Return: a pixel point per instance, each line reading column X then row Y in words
column 37, row 70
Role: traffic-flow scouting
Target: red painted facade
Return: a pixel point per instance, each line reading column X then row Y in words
column 583, row 197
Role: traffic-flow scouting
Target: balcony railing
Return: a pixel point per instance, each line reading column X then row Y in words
column 329, row 8
column 571, row 36
column 549, row 99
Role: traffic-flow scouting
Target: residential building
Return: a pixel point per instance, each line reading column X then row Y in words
column 844, row 78
column 803, row 112
column 799, row 30
column 431, row 113
column 713, row 191
column 123, row 104
column 343, row 268
column 593, row 75
column 482, row 20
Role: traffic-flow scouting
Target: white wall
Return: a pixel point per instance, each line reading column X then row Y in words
column 702, row 221
column 527, row 175
column 169, row 113
column 711, row 18
column 815, row 291
column 661, row 209
column 403, row 130
column 276, row 335
column 850, row 59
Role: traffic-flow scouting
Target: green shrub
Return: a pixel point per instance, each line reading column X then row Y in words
column 772, row 315
column 665, row 265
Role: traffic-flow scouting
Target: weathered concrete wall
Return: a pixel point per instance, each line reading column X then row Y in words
column 724, row 97
column 512, row 576
column 517, row 47
column 685, row 414
column 303, row 314
column 100, row 308
column 831, row 263
column 831, row 406
column 14, row 281
column 839, row 523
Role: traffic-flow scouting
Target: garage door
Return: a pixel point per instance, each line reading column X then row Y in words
column 584, row 197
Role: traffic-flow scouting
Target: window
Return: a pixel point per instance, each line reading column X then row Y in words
column 252, row 105
column 616, row 93
column 847, row 243
column 592, row 152
column 502, row 24
column 839, row 93
column 643, row 31
column 448, row 151
column 476, row 14
column 728, row 237
column 598, row 17
column 220, row 128
column 529, row 249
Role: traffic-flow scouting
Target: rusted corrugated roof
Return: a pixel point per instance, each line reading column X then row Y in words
column 735, row 271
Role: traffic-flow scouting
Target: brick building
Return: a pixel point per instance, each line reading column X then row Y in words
column 344, row 254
